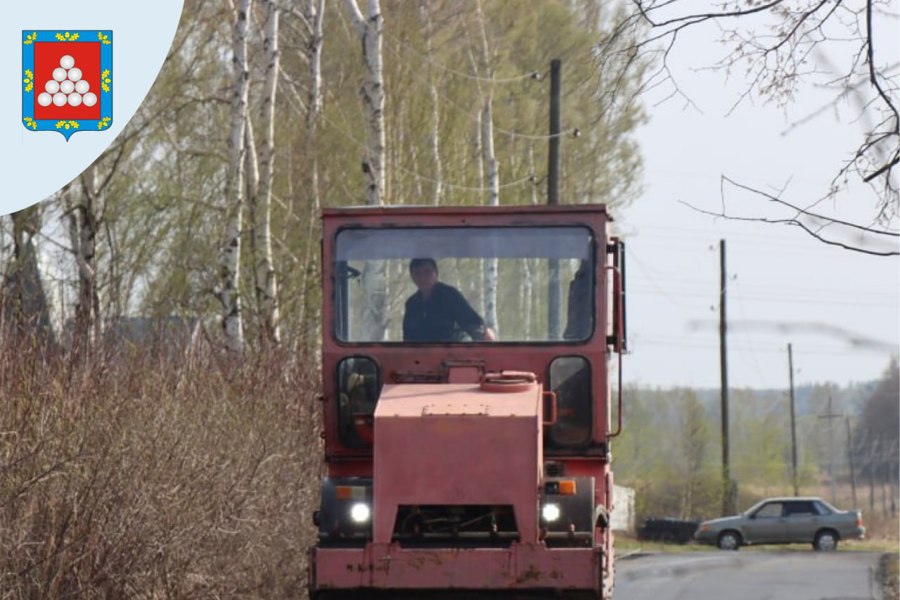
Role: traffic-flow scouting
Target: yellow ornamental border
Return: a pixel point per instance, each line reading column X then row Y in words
column 67, row 37
column 29, row 122
column 29, row 39
column 67, row 125
column 103, row 38
column 105, row 80
column 29, row 80
column 103, row 123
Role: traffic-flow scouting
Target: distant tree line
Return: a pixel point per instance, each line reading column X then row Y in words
column 670, row 450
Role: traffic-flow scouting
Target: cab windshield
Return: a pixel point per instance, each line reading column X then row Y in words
column 464, row 284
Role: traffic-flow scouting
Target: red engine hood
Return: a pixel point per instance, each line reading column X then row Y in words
column 440, row 444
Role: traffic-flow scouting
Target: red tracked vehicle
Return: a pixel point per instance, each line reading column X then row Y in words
column 459, row 467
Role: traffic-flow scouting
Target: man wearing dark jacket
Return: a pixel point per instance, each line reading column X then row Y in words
column 438, row 312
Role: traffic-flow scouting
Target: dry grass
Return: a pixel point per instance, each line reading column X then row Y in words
column 889, row 576
column 142, row 476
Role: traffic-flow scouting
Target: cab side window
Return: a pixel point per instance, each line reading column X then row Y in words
column 570, row 380
column 358, row 385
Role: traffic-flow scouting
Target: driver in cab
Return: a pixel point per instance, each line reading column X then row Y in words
column 438, row 312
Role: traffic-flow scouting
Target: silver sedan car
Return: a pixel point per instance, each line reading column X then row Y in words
column 784, row 521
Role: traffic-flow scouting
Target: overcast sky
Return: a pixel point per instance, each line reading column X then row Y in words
column 783, row 286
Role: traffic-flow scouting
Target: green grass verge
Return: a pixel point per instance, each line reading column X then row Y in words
column 625, row 545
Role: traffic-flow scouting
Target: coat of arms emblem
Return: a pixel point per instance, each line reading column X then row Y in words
column 67, row 81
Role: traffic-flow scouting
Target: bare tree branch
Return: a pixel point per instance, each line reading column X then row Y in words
column 813, row 224
column 781, row 46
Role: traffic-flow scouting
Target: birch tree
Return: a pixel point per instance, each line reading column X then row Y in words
column 493, row 171
column 491, row 273
column 230, row 258
column 434, row 137
column 369, row 28
column 23, row 304
column 266, row 282
column 81, row 211
column 315, row 25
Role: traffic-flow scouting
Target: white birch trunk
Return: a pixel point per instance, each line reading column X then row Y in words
column 28, row 308
column 251, row 177
column 435, row 138
column 493, row 175
column 478, row 280
column 230, row 261
column 369, row 28
column 493, row 184
column 528, row 275
column 315, row 18
column 90, row 229
column 82, row 237
column 266, row 282
column 315, row 12
column 436, row 146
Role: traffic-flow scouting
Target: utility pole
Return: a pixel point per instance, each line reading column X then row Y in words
column 793, row 423
column 850, row 459
column 727, row 495
column 831, row 452
column 555, row 128
column 830, row 416
column 554, row 299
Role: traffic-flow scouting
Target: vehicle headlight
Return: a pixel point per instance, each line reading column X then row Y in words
column 550, row 512
column 360, row 512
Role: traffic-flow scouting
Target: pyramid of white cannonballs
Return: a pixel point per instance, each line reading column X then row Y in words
column 67, row 86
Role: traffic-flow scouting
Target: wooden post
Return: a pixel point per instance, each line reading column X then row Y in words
column 727, row 491
column 793, row 424
column 554, row 299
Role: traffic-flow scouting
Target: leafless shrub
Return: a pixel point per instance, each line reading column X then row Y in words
column 141, row 476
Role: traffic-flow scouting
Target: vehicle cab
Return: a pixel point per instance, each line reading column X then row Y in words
column 464, row 438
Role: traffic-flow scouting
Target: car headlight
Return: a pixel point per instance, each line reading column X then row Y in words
column 551, row 512
column 360, row 512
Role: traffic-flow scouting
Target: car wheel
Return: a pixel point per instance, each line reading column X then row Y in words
column 826, row 541
column 729, row 540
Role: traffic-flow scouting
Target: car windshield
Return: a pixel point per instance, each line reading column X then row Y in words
column 451, row 284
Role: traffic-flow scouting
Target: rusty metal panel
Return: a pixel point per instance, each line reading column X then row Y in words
column 521, row 567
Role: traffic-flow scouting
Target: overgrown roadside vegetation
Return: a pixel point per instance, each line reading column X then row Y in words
column 889, row 576
column 146, row 474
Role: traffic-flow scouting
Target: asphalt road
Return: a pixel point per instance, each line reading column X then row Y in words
column 749, row 575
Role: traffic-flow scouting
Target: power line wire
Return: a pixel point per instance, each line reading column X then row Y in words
column 763, row 299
